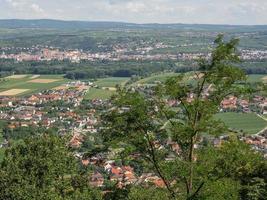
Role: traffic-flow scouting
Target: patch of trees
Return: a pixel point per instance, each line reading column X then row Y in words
column 85, row 69
column 43, row 167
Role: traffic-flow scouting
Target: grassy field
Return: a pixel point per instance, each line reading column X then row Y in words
column 249, row 123
column 30, row 83
column 157, row 77
column 255, row 78
column 111, row 82
column 106, row 87
column 95, row 93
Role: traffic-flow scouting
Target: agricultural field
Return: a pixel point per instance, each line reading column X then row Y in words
column 246, row 122
column 96, row 93
column 111, row 82
column 106, row 87
column 162, row 77
column 189, row 76
column 19, row 85
column 155, row 78
column 257, row 78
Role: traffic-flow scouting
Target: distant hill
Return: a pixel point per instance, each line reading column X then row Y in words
column 60, row 24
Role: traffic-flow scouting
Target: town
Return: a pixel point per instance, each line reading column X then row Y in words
column 65, row 111
column 120, row 52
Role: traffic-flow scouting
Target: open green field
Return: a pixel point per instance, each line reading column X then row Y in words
column 162, row 77
column 29, row 84
column 96, row 93
column 247, row 122
column 106, row 87
column 256, row 78
column 111, row 82
column 157, row 77
column 253, row 78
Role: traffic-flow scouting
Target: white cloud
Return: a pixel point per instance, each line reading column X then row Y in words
column 15, row 3
column 141, row 11
column 36, row 8
column 26, row 8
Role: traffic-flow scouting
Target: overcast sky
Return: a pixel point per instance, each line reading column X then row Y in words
column 140, row 11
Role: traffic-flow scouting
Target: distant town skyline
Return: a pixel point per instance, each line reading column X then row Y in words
column 237, row 12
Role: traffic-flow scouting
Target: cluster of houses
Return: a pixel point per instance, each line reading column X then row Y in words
column 121, row 51
column 254, row 54
column 33, row 110
column 258, row 142
column 121, row 176
column 232, row 103
column 124, row 176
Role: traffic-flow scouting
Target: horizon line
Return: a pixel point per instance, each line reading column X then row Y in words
column 125, row 22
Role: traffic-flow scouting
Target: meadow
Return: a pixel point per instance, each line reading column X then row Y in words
column 162, row 77
column 243, row 122
column 20, row 85
column 106, row 87
column 111, row 81
column 256, row 78
column 96, row 93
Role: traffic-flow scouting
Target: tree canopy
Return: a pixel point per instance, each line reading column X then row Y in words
column 42, row 167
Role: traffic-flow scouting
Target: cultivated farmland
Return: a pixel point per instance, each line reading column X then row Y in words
column 40, row 80
column 19, row 85
column 111, row 82
column 155, row 78
column 106, row 87
column 13, row 92
column 95, row 93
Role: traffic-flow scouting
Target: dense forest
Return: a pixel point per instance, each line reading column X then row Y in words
column 100, row 69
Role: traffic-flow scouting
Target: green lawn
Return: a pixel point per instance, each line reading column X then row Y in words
column 158, row 77
column 22, row 83
column 253, row 78
column 248, row 122
column 95, row 93
column 111, row 82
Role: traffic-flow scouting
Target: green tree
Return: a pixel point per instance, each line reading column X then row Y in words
column 142, row 123
column 42, row 167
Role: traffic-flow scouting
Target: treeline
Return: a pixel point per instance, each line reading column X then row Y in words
column 100, row 69
column 85, row 69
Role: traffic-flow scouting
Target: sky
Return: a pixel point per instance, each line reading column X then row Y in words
column 242, row 12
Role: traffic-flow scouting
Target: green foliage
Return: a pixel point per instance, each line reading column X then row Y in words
column 42, row 168
column 256, row 189
column 221, row 190
column 21, row 132
column 140, row 193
